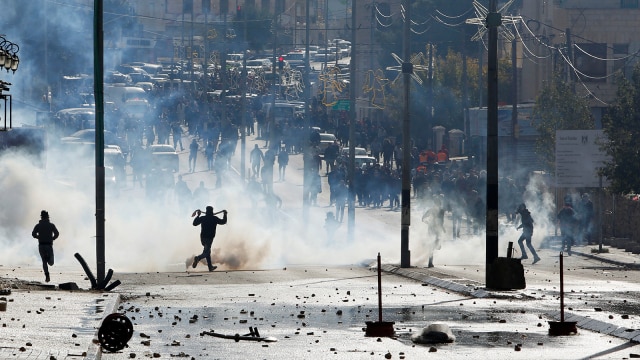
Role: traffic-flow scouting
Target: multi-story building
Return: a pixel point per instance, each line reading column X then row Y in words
column 586, row 40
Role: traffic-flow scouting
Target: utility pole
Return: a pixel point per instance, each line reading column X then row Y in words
column 351, row 214
column 307, row 120
column 569, row 54
column 465, row 85
column 480, row 66
column 430, row 89
column 274, row 73
column 98, row 89
column 407, row 70
column 193, row 84
column 326, row 32
column 243, row 100
column 494, row 20
column 514, row 109
column 223, row 76
column 205, row 9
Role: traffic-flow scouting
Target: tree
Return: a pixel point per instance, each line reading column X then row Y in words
column 558, row 108
column 622, row 127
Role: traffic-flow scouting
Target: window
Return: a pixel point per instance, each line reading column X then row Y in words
column 588, row 59
column 620, row 51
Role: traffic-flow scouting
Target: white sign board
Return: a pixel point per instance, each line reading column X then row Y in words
column 578, row 158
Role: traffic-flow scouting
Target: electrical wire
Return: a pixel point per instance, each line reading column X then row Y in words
column 419, row 33
column 526, row 26
column 446, row 23
column 383, row 25
column 611, row 59
column 568, row 61
column 381, row 14
column 403, row 12
column 524, row 45
column 453, row 17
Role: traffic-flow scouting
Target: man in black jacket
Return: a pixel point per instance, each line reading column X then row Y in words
column 526, row 224
column 208, row 224
column 46, row 232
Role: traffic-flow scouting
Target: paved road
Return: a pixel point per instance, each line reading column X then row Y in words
column 314, row 312
column 289, row 281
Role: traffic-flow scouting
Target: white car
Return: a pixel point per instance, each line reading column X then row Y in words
column 326, row 139
column 164, row 157
column 259, row 64
column 358, row 151
column 362, row 161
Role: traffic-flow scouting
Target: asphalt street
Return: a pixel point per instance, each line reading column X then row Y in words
column 318, row 307
column 317, row 312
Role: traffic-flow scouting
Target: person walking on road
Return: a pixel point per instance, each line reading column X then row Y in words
column 434, row 218
column 208, row 224
column 283, row 161
column 176, row 130
column 255, row 157
column 526, row 224
column 567, row 220
column 46, row 232
column 193, row 155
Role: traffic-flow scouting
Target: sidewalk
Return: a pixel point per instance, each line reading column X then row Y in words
column 43, row 322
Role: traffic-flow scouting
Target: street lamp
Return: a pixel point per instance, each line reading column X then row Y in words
column 9, row 55
column 9, row 60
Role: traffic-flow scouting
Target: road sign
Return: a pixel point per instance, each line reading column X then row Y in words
column 578, row 158
column 341, row 105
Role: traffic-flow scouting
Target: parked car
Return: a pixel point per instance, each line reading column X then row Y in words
column 358, row 151
column 295, row 59
column 325, row 140
column 164, row 156
column 324, row 55
column 88, row 136
column 363, row 161
column 259, row 64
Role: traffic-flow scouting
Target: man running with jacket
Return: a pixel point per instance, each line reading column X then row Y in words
column 208, row 224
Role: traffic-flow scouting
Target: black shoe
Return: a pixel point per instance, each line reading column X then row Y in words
column 525, row 257
column 535, row 260
column 213, row 267
column 195, row 262
column 46, row 278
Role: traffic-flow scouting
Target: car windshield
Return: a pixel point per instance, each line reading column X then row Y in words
column 162, row 148
column 327, row 137
column 358, row 151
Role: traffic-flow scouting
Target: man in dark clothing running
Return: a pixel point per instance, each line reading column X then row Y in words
column 208, row 224
column 45, row 232
column 526, row 224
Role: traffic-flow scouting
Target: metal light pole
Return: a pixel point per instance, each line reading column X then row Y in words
column 407, row 70
column 98, row 83
column 494, row 20
column 243, row 88
column 307, row 119
column 351, row 212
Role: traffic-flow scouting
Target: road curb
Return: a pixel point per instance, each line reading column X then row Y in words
column 417, row 275
column 94, row 352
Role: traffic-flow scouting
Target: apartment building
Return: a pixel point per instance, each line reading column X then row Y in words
column 586, row 40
